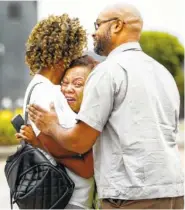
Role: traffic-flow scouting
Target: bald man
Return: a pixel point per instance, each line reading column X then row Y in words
column 129, row 115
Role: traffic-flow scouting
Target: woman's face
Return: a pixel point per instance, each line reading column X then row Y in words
column 73, row 85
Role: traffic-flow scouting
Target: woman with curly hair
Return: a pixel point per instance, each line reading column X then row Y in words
column 57, row 39
column 51, row 47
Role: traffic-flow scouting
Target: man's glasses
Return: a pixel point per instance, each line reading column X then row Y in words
column 97, row 24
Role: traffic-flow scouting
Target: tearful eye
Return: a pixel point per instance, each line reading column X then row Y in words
column 78, row 84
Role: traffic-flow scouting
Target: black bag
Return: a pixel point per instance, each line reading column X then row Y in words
column 35, row 181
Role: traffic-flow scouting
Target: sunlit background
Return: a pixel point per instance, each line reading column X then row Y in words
column 17, row 18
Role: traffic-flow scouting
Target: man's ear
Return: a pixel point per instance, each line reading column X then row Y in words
column 118, row 26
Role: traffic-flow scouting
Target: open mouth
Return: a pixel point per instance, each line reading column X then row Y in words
column 70, row 99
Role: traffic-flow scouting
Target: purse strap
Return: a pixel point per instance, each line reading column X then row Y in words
column 23, row 142
column 28, row 101
column 26, row 112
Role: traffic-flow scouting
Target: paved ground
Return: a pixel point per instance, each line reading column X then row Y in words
column 4, row 190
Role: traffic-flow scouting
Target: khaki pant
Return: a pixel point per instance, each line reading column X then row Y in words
column 159, row 203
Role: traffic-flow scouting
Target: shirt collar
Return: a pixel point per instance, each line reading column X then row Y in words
column 123, row 47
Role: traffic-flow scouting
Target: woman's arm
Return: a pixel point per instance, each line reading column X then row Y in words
column 81, row 166
column 49, row 145
column 84, row 167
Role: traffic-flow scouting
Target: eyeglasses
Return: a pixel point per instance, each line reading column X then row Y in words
column 97, row 24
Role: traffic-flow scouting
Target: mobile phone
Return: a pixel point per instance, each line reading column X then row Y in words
column 17, row 122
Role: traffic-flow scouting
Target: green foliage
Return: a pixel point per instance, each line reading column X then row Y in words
column 7, row 132
column 167, row 50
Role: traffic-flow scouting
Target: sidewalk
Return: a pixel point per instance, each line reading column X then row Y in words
column 5, row 151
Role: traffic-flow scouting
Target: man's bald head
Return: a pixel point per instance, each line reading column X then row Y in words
column 116, row 24
column 125, row 12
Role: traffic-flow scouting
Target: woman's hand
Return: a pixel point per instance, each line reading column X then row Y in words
column 27, row 134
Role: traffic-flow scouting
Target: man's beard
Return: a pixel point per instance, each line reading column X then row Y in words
column 102, row 45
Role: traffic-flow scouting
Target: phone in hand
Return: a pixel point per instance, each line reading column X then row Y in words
column 17, row 122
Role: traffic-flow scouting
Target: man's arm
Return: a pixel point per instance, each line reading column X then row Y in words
column 48, row 144
column 83, row 166
column 78, row 139
column 96, row 108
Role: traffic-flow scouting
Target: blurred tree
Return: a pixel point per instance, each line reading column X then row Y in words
column 167, row 50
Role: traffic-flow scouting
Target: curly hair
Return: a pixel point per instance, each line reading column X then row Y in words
column 53, row 39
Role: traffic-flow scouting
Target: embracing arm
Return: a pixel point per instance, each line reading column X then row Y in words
column 84, row 166
column 48, row 144
column 78, row 139
column 96, row 108
column 81, row 166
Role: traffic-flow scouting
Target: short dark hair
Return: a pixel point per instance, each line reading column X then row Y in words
column 86, row 61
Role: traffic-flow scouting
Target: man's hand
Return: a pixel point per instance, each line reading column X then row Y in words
column 78, row 139
column 43, row 119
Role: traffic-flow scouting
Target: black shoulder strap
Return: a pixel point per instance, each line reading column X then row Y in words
column 23, row 142
column 27, row 102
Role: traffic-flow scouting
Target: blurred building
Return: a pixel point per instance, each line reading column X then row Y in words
column 17, row 18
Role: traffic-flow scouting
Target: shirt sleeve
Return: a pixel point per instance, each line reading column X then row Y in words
column 98, row 98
